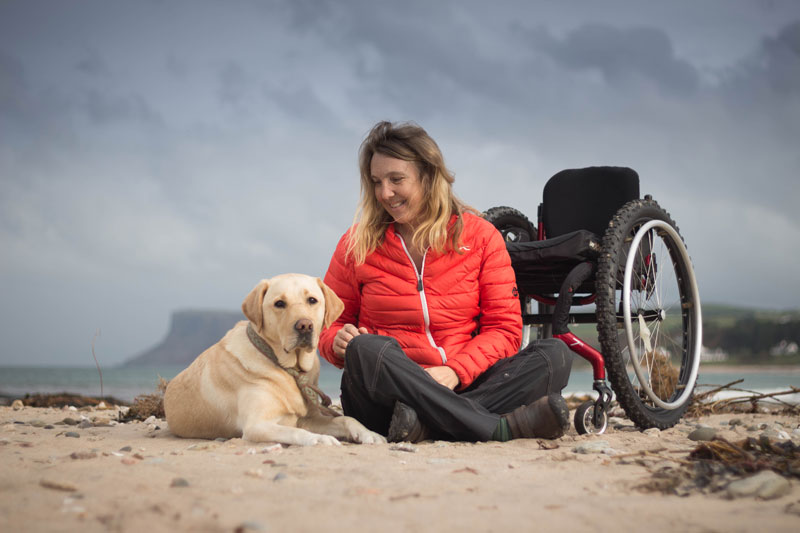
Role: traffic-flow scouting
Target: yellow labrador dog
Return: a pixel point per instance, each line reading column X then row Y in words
column 260, row 381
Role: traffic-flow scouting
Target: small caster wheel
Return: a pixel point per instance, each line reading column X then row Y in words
column 584, row 419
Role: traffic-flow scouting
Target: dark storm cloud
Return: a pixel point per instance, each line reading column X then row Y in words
column 622, row 55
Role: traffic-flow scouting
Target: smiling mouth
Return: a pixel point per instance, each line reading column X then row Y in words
column 395, row 206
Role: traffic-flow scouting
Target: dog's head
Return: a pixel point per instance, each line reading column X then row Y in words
column 288, row 311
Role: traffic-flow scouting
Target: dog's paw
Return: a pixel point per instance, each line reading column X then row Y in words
column 325, row 440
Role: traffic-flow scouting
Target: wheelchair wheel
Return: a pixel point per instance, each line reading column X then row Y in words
column 584, row 420
column 648, row 315
column 512, row 224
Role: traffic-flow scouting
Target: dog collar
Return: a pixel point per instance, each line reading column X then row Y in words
column 310, row 391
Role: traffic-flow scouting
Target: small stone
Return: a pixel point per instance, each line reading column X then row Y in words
column 766, row 485
column 150, row 420
column 404, row 447
column 774, row 434
column 17, row 405
column 652, row 432
column 125, row 449
column 179, row 482
column 279, row 476
column 85, row 424
column 83, row 455
column 49, row 426
column 37, row 423
column 70, row 421
column 255, row 472
column 72, row 434
column 736, row 422
column 249, row 526
column 702, row 434
column 752, row 428
column 793, row 508
column 595, row 446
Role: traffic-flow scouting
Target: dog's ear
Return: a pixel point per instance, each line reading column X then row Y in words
column 333, row 305
column 253, row 305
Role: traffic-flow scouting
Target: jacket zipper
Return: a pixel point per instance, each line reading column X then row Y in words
column 421, row 289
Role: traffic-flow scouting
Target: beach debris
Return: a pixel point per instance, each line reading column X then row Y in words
column 752, row 467
column 404, row 496
column 749, row 401
column 67, row 399
column 146, row 405
column 703, row 433
column 466, row 470
column 58, row 485
column 17, row 405
column 179, row 482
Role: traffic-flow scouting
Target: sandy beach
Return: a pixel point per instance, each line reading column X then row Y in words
column 91, row 473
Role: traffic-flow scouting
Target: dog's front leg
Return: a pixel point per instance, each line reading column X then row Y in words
column 266, row 431
column 342, row 427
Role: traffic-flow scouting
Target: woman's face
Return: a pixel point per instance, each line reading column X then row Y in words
column 398, row 187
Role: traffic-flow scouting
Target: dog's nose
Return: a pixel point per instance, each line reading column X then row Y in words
column 304, row 325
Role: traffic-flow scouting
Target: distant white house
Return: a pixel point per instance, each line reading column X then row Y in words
column 713, row 355
column 784, row 348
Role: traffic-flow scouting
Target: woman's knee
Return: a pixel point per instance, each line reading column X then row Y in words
column 365, row 348
column 560, row 357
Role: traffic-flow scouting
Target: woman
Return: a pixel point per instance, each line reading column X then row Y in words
column 432, row 317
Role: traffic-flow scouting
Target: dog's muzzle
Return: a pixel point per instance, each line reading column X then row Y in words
column 305, row 333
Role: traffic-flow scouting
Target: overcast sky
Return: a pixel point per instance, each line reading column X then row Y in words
column 163, row 155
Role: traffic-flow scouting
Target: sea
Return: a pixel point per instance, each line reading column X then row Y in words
column 125, row 383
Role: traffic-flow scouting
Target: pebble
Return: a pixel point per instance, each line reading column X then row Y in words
column 73, row 434
column 766, row 485
column 702, row 434
column 37, row 423
column 595, row 446
column 774, row 434
column 17, row 405
column 179, row 482
column 279, row 476
column 150, row 420
column 736, row 422
column 404, row 447
column 652, row 432
column 70, row 421
column 125, row 449
column 249, row 526
column 85, row 424
column 83, row 455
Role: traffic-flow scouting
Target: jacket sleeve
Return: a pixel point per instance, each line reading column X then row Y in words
column 500, row 321
column 342, row 280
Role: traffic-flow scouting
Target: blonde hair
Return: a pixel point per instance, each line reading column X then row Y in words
column 409, row 142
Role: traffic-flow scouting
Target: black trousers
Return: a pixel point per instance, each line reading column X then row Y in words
column 377, row 373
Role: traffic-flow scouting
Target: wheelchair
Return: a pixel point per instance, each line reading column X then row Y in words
column 597, row 245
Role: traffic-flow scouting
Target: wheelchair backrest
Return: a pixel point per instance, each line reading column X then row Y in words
column 586, row 198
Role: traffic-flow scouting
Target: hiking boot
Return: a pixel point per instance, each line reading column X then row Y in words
column 547, row 417
column 406, row 425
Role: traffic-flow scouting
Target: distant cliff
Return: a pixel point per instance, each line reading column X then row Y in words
column 190, row 333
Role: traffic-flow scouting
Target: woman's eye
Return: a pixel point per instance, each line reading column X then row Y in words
column 312, row 300
column 280, row 304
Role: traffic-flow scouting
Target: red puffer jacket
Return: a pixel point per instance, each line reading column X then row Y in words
column 461, row 311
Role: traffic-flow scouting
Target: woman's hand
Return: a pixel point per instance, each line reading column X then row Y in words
column 344, row 336
column 444, row 375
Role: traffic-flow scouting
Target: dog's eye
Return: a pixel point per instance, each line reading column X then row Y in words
column 280, row 304
column 312, row 300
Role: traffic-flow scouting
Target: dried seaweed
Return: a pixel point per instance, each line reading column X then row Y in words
column 62, row 399
column 751, row 401
column 146, row 405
